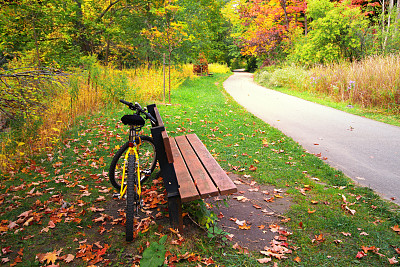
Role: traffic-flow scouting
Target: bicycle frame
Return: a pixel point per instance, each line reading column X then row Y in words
column 132, row 149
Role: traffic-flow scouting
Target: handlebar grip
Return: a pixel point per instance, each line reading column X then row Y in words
column 129, row 104
column 125, row 102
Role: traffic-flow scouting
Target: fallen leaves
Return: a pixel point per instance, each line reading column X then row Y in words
column 264, row 260
column 318, row 239
column 396, row 228
column 52, row 257
column 345, row 205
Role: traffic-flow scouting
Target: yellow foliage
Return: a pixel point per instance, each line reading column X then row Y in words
column 143, row 85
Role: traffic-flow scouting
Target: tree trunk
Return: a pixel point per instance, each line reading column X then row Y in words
column 169, row 77
column 383, row 25
column 107, row 51
column 305, row 23
column 391, row 5
column 398, row 11
column 283, row 5
column 36, row 42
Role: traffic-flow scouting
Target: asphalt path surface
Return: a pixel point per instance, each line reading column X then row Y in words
column 365, row 150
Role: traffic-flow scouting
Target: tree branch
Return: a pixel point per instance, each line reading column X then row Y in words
column 106, row 10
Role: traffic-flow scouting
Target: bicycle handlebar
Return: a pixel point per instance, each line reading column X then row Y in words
column 137, row 107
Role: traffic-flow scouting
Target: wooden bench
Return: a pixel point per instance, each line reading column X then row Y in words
column 189, row 171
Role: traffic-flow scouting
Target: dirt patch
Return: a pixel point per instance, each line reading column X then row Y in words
column 250, row 212
column 247, row 216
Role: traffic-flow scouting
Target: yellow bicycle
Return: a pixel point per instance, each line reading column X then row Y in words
column 132, row 164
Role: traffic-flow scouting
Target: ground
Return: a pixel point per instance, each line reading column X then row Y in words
column 255, row 208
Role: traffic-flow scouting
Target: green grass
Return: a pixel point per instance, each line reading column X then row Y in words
column 75, row 173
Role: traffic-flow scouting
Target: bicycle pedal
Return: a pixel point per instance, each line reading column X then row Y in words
column 116, row 196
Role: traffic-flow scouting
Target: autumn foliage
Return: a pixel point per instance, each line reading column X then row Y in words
column 270, row 25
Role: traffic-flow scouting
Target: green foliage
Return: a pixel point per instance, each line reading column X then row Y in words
column 251, row 64
column 292, row 76
column 154, row 255
column 336, row 33
column 57, row 33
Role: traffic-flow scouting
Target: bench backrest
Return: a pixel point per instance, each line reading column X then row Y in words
column 164, row 152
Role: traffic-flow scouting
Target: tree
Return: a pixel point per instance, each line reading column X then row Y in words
column 337, row 32
column 269, row 26
column 169, row 34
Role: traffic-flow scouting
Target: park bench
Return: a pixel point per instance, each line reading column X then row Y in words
column 188, row 169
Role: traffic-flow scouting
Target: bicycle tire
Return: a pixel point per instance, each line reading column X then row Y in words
column 147, row 161
column 131, row 198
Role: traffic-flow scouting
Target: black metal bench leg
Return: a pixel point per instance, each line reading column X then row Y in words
column 175, row 212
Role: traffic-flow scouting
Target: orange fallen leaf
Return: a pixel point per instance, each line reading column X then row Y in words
column 318, row 238
column 245, row 227
column 360, row 254
column 366, row 249
column 297, row 259
column 393, row 260
column 271, row 199
column 50, row 257
column 345, row 234
column 396, row 228
column 252, row 168
column 311, row 211
column 264, row 260
column 274, row 228
column 69, row 258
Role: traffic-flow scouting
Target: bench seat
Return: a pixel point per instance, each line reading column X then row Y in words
column 198, row 174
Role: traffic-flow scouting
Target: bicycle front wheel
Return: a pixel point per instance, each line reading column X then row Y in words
column 132, row 198
column 147, row 161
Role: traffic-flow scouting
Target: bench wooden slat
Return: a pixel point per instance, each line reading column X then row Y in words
column 221, row 179
column 203, row 182
column 187, row 189
column 167, row 145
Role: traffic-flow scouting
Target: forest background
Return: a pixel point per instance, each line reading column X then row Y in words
column 61, row 59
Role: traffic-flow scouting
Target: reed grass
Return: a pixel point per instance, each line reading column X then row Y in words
column 372, row 83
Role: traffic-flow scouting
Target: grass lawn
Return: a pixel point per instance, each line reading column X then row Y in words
column 58, row 207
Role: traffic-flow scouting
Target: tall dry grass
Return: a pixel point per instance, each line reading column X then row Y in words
column 373, row 82
column 148, row 84
column 87, row 91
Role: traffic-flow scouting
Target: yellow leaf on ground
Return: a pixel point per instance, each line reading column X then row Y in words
column 50, row 257
column 245, row 227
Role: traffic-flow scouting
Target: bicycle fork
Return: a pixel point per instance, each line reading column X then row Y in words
column 138, row 187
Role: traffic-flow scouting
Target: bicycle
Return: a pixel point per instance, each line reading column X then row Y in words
column 133, row 163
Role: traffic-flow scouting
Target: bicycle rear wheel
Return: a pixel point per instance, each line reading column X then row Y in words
column 132, row 198
column 147, row 161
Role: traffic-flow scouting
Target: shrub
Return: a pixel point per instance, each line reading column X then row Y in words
column 292, row 77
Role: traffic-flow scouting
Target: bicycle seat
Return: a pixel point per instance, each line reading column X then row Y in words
column 134, row 119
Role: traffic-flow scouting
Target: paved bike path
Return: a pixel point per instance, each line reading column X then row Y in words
column 365, row 150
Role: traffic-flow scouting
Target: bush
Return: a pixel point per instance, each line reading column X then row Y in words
column 292, row 77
